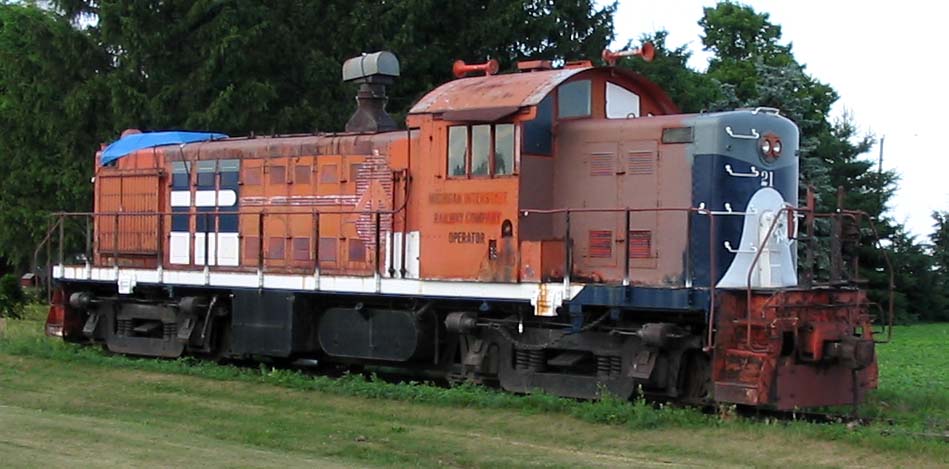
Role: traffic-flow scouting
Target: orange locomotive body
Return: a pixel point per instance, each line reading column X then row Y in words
column 563, row 230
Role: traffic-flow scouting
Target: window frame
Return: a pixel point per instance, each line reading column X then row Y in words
column 550, row 127
column 606, row 100
column 559, row 101
column 492, row 153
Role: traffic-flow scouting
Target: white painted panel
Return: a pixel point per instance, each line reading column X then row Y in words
column 179, row 248
column 620, row 102
column 412, row 254
column 180, row 198
column 225, row 198
column 775, row 267
column 411, row 258
column 228, row 248
column 199, row 249
column 548, row 295
column 205, row 198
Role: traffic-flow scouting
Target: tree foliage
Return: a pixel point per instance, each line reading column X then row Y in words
column 72, row 79
column 242, row 65
column 755, row 69
column 52, row 113
column 692, row 91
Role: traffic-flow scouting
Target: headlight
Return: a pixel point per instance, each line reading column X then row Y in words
column 770, row 147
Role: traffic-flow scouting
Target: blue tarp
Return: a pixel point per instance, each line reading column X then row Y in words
column 131, row 143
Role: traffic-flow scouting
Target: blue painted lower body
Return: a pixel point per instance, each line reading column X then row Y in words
column 642, row 298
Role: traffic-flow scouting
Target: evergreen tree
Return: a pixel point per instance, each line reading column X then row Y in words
column 51, row 112
column 756, row 70
column 692, row 91
column 242, row 65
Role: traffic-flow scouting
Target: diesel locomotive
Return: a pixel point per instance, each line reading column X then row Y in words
column 557, row 229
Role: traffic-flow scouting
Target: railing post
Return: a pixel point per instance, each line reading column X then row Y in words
column 712, row 273
column 627, row 255
column 48, row 265
column 568, row 254
column 316, row 245
column 391, row 245
column 378, row 251
column 217, row 235
column 260, row 242
column 206, row 241
column 62, row 237
column 836, row 242
column 763, row 246
column 89, row 240
column 160, row 242
column 115, row 240
column 811, row 250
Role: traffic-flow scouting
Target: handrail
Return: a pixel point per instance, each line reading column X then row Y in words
column 58, row 220
column 856, row 215
column 568, row 246
column 751, row 270
column 36, row 254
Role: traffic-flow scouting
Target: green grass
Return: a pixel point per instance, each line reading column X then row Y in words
column 285, row 415
column 914, row 377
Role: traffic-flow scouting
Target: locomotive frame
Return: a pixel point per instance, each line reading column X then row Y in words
column 456, row 247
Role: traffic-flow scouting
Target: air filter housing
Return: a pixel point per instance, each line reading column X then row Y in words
column 373, row 72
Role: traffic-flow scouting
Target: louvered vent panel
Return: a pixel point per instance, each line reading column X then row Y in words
column 601, row 164
column 640, row 163
column 601, row 243
column 640, row 244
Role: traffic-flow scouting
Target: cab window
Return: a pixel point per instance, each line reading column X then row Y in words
column 482, row 150
column 573, row 99
column 503, row 149
column 537, row 133
column 457, row 150
column 620, row 102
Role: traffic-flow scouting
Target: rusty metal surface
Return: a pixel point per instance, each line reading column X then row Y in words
column 524, row 89
column 516, row 89
column 283, row 146
column 786, row 364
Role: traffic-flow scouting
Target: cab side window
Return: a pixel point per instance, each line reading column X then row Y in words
column 503, row 149
column 573, row 99
column 620, row 102
column 482, row 150
column 457, row 151
column 538, row 132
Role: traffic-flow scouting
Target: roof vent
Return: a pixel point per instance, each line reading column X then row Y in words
column 534, row 65
column 373, row 72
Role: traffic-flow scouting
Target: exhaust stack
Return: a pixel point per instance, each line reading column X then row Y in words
column 373, row 72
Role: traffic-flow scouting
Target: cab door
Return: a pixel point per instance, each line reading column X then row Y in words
column 131, row 232
column 638, row 187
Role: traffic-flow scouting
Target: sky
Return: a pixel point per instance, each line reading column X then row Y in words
column 883, row 60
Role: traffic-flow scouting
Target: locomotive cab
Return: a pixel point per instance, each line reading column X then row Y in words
column 501, row 148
